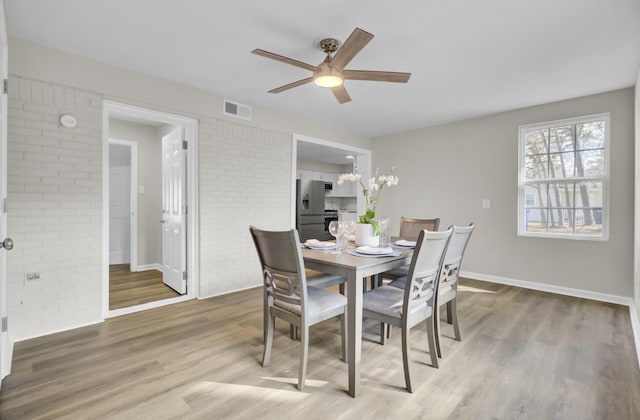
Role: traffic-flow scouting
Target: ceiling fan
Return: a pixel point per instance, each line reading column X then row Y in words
column 331, row 73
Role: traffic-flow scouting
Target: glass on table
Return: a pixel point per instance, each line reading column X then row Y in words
column 385, row 231
column 336, row 229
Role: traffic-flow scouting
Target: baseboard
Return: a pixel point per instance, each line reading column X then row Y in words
column 568, row 291
column 542, row 287
column 59, row 330
column 147, row 267
column 229, row 292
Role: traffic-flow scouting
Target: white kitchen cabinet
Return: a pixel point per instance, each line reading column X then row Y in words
column 305, row 174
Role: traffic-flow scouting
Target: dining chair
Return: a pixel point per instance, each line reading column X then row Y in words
column 415, row 304
column 288, row 297
column 448, row 289
column 409, row 230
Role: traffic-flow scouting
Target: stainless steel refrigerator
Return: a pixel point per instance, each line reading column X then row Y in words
column 310, row 210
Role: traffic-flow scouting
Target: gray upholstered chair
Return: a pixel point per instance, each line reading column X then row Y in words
column 287, row 295
column 448, row 292
column 415, row 304
column 409, row 230
column 448, row 289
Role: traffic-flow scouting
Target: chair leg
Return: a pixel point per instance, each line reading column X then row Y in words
column 268, row 340
column 341, row 288
column 454, row 318
column 405, row 357
column 383, row 331
column 449, row 312
column 388, row 331
column 304, row 351
column 436, row 326
column 432, row 344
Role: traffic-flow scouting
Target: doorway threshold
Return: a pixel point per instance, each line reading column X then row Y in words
column 146, row 306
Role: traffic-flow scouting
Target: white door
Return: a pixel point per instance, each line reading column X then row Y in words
column 119, row 213
column 5, row 345
column 173, row 212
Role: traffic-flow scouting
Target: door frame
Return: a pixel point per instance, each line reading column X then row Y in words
column 190, row 125
column 6, row 344
column 362, row 156
column 133, row 200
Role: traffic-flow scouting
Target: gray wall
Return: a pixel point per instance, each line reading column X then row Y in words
column 448, row 170
column 149, row 143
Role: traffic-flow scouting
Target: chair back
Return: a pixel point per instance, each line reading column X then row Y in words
column 282, row 267
column 410, row 228
column 422, row 281
column 455, row 252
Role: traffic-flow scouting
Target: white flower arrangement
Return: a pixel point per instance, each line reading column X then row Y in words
column 371, row 192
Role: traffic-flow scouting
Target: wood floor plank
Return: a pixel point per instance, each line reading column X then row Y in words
column 129, row 288
column 523, row 354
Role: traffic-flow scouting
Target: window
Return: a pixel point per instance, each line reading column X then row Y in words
column 563, row 178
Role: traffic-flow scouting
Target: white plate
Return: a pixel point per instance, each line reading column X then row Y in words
column 358, row 254
column 369, row 250
column 320, row 247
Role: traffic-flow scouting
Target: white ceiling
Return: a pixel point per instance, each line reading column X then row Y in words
column 468, row 58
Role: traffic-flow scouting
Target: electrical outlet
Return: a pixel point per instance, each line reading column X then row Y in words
column 33, row 276
column 486, row 203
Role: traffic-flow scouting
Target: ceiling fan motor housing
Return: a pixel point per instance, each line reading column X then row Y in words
column 329, row 45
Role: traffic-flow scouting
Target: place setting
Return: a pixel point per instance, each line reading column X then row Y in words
column 372, row 251
column 403, row 244
column 317, row 244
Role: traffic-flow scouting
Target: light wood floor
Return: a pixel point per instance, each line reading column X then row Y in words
column 524, row 354
column 128, row 288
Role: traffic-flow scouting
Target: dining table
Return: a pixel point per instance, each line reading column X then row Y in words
column 355, row 269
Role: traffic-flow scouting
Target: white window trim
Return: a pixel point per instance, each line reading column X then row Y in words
column 606, row 178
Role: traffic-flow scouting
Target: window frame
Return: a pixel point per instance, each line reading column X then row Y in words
column 522, row 181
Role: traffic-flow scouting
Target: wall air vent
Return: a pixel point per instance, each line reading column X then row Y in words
column 237, row 110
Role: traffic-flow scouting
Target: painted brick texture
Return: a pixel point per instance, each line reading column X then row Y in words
column 244, row 179
column 55, row 204
column 55, row 207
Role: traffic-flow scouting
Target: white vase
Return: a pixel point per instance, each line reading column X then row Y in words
column 365, row 236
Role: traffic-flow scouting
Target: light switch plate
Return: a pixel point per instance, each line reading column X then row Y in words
column 486, row 203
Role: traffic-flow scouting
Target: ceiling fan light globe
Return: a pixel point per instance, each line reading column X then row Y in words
column 328, row 77
column 328, row 81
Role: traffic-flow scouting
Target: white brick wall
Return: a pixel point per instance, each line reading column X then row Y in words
column 55, row 208
column 245, row 178
column 55, row 216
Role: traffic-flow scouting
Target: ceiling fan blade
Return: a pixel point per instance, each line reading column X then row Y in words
column 341, row 94
column 352, row 46
column 284, row 59
column 291, row 85
column 378, row 76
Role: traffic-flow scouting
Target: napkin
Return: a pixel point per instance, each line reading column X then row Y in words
column 318, row 244
column 374, row 250
column 403, row 242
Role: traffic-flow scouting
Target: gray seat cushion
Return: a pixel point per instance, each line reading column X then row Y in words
column 319, row 301
column 323, row 280
column 398, row 272
column 384, row 300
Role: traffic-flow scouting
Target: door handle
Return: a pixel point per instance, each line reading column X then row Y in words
column 7, row 244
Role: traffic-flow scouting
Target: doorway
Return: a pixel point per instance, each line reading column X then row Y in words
column 306, row 148
column 141, row 195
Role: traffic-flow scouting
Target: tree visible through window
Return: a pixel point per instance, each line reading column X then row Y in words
column 563, row 178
